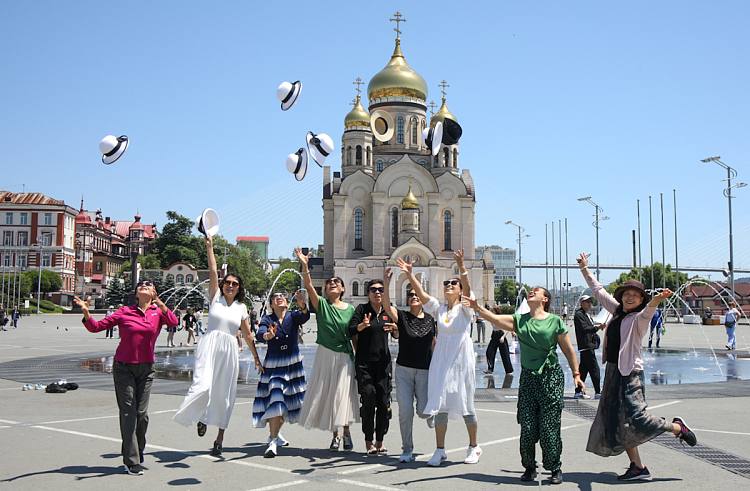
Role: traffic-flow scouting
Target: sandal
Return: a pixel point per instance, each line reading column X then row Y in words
column 202, row 428
column 371, row 450
column 216, row 450
column 382, row 451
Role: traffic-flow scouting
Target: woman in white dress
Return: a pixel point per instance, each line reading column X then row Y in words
column 450, row 385
column 210, row 399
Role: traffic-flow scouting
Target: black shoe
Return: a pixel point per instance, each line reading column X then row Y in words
column 635, row 474
column 134, row 470
column 556, row 477
column 202, row 428
column 686, row 434
column 216, row 451
column 528, row 475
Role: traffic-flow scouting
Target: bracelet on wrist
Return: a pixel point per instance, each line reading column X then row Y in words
column 576, row 374
column 464, row 273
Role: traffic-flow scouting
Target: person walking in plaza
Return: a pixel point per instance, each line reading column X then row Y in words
column 369, row 328
column 189, row 321
column 210, row 399
column 171, row 330
column 416, row 338
column 565, row 313
column 133, row 368
column 15, row 317
column 110, row 333
column 622, row 422
column 587, row 340
column 281, row 388
column 730, row 324
column 498, row 342
column 481, row 337
column 540, row 391
column 451, row 380
column 656, row 325
column 331, row 396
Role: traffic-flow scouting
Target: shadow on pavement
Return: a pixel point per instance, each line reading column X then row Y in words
column 79, row 471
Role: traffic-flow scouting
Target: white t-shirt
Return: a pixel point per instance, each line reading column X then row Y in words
column 226, row 318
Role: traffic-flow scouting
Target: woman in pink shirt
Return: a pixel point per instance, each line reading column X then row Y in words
column 622, row 422
column 139, row 326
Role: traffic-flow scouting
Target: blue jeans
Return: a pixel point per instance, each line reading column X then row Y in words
column 731, row 340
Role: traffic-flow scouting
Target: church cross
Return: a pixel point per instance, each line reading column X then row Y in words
column 443, row 85
column 358, row 82
column 398, row 19
column 432, row 107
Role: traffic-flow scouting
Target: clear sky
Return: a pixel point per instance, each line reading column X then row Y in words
column 558, row 100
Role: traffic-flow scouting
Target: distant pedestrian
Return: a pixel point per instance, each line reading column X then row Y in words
column 110, row 332
column 16, row 316
column 3, row 318
column 657, row 325
column 481, row 337
column 565, row 313
column 189, row 321
column 588, row 341
column 499, row 341
column 730, row 323
column 253, row 320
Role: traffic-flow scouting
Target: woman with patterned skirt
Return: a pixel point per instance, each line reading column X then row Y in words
column 281, row 389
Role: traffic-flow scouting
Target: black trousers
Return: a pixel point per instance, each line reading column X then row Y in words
column 492, row 348
column 133, row 389
column 374, row 384
column 589, row 365
column 110, row 332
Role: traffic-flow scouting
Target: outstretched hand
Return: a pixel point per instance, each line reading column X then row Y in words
column 469, row 302
column 81, row 304
column 365, row 322
column 304, row 259
column 663, row 295
column 387, row 276
column 459, row 257
column 404, row 266
column 583, row 260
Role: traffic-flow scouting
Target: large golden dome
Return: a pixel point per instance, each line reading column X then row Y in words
column 397, row 79
column 442, row 114
column 358, row 116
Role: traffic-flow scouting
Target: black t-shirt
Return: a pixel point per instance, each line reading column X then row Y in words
column 372, row 343
column 613, row 340
column 189, row 320
column 415, row 337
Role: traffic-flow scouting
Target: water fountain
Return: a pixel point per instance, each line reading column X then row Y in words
column 273, row 286
column 205, row 298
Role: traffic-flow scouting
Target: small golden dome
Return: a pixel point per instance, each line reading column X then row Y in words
column 442, row 114
column 410, row 201
column 397, row 79
column 358, row 116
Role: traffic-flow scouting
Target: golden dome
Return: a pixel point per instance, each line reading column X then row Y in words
column 358, row 116
column 410, row 201
column 397, row 79
column 442, row 114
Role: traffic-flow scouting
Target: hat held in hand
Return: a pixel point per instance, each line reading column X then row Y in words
column 208, row 222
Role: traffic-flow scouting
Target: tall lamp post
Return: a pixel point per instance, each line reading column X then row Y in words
column 597, row 218
column 731, row 173
column 39, row 279
column 520, row 268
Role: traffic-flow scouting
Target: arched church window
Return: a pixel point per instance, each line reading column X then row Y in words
column 358, row 219
column 413, row 130
column 355, row 289
column 394, row 227
column 349, row 156
column 379, row 166
column 358, row 155
column 400, row 130
column 180, row 279
column 455, row 158
column 446, row 156
column 369, row 157
column 447, row 228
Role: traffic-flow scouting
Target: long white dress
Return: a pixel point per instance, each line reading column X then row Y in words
column 451, row 385
column 210, row 398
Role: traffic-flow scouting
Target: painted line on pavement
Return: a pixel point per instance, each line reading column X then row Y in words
column 280, row 486
column 513, row 413
column 664, row 405
column 739, row 433
column 366, row 485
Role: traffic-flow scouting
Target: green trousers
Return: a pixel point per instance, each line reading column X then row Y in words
column 540, row 404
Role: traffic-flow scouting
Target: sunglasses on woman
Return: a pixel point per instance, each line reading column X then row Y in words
column 277, row 295
column 377, row 289
column 231, row 283
column 333, row 281
column 451, row 282
column 411, row 295
column 145, row 283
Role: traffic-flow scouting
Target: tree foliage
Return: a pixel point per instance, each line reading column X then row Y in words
column 662, row 275
column 51, row 281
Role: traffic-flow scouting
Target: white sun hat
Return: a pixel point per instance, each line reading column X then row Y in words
column 319, row 147
column 296, row 163
column 112, row 148
column 433, row 137
column 208, row 222
column 287, row 93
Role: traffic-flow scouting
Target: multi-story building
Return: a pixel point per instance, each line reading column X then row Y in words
column 37, row 231
column 259, row 243
column 502, row 258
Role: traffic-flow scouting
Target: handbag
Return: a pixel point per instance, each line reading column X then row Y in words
column 729, row 319
column 597, row 341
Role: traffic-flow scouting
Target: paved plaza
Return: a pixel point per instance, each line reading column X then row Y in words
column 71, row 441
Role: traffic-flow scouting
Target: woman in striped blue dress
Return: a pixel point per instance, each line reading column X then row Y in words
column 281, row 389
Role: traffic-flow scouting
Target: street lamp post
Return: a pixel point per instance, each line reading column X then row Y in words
column 520, row 267
column 731, row 173
column 39, row 280
column 597, row 218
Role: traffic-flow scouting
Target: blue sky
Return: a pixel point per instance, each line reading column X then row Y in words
column 558, row 100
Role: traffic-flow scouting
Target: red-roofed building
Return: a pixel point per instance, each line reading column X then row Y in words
column 713, row 296
column 259, row 243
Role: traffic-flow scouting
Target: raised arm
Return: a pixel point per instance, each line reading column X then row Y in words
column 499, row 321
column 213, row 271
column 306, row 278
column 463, row 275
column 389, row 309
column 91, row 324
column 416, row 284
column 597, row 290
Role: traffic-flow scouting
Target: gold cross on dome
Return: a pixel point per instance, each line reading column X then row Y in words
column 432, row 107
column 358, row 81
column 443, row 85
column 398, row 19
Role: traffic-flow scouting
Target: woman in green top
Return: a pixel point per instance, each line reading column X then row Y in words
column 331, row 396
column 540, row 393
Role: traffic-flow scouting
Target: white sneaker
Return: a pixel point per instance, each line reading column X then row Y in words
column 280, row 440
column 407, row 457
column 472, row 455
column 437, row 458
column 271, row 450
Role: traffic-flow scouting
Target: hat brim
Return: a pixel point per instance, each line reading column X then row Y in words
column 300, row 174
column 313, row 152
column 437, row 138
column 296, row 90
column 208, row 222
column 621, row 290
column 452, row 132
column 107, row 160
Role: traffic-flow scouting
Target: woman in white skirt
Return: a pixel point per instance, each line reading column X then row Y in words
column 210, row 399
column 331, row 396
column 450, row 382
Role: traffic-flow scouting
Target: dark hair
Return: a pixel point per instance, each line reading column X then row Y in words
column 240, row 290
column 341, row 282
column 547, row 295
column 375, row 282
column 271, row 297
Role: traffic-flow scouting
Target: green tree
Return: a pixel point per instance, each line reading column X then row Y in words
column 116, row 292
column 51, row 281
column 662, row 275
column 167, row 289
column 288, row 282
column 506, row 292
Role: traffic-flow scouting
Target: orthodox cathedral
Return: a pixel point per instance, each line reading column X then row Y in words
column 392, row 198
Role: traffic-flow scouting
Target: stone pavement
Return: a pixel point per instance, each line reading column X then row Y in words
column 66, row 441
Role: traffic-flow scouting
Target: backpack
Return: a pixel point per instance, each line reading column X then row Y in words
column 729, row 319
